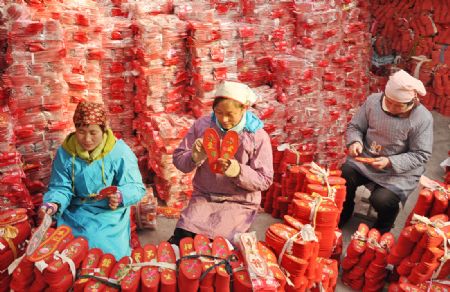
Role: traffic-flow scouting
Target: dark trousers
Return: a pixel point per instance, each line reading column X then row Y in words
column 384, row 201
column 179, row 234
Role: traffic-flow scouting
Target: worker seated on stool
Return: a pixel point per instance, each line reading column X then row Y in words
column 396, row 131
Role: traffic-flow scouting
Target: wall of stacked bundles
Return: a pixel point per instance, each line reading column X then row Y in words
column 155, row 65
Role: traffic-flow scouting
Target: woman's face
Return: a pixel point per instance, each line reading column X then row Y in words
column 89, row 136
column 229, row 113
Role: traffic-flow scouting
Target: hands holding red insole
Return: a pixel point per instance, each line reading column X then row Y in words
column 220, row 153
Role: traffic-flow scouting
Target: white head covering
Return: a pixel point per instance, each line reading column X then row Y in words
column 239, row 92
column 402, row 87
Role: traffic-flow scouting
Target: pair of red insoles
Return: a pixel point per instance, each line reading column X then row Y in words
column 215, row 148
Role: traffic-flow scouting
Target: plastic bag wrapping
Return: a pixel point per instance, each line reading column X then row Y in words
column 261, row 276
column 160, row 134
column 145, row 211
column 323, row 77
column 214, row 50
column 37, row 90
column 12, row 177
column 161, row 62
column 115, row 57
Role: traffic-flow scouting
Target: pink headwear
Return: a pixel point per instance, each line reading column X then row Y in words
column 239, row 92
column 402, row 87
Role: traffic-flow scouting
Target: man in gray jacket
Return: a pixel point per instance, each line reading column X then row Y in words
column 396, row 132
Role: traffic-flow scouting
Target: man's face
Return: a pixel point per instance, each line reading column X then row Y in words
column 395, row 107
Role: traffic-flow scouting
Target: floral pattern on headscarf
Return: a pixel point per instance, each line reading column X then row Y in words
column 89, row 113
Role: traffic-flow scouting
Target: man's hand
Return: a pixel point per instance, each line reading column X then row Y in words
column 381, row 163
column 198, row 152
column 355, row 149
column 47, row 208
column 115, row 199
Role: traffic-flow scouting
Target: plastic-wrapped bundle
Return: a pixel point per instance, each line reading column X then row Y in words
column 161, row 134
column 145, row 211
column 161, row 64
column 204, row 10
column 141, row 8
column 37, row 87
column 330, row 37
column 214, row 52
column 12, row 177
column 117, row 75
column 271, row 112
column 267, row 31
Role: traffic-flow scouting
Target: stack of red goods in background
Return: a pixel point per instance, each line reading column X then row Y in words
column 12, row 187
column 3, row 46
column 214, row 49
column 297, row 248
column 14, row 230
column 332, row 55
column 266, row 31
column 37, row 90
column 160, row 64
column 161, row 135
column 364, row 265
column 82, row 26
column 272, row 113
column 416, row 36
column 167, row 57
column 160, row 101
column 116, row 60
column 13, row 191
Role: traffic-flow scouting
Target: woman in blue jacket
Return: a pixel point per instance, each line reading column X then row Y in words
column 89, row 160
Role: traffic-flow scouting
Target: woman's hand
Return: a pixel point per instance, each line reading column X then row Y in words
column 230, row 167
column 47, row 208
column 198, row 152
column 381, row 162
column 355, row 149
column 115, row 199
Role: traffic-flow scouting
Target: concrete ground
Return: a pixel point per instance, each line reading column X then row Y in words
column 441, row 147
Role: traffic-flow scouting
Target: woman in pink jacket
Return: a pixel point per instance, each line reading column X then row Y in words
column 225, row 204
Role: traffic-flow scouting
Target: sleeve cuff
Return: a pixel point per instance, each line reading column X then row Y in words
column 234, row 169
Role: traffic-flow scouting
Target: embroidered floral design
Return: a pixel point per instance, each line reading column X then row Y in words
column 89, row 113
